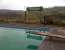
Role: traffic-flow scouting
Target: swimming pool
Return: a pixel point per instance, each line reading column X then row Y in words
column 18, row 39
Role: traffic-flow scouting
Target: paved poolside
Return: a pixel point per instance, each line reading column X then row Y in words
column 57, row 44
column 54, row 43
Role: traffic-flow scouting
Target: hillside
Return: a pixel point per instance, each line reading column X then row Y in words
column 55, row 11
column 11, row 12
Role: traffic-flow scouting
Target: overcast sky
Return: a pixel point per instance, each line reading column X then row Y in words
column 22, row 4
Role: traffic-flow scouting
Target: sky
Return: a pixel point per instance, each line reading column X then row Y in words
column 22, row 4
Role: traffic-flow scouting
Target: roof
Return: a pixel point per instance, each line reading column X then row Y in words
column 34, row 8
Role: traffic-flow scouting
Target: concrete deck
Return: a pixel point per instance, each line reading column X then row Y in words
column 51, row 34
column 57, row 44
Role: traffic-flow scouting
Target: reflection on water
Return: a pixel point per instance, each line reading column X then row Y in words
column 45, row 29
column 31, row 35
column 36, row 37
column 32, row 47
column 32, row 31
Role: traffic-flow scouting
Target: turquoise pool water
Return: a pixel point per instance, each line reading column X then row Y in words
column 18, row 39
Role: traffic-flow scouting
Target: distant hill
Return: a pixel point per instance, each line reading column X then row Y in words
column 11, row 12
column 55, row 10
column 46, row 11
